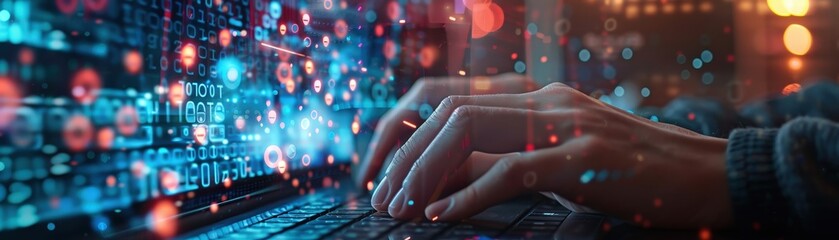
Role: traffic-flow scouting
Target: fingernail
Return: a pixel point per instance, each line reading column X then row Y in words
column 398, row 203
column 440, row 210
column 381, row 192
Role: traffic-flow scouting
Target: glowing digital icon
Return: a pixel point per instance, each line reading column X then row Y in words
column 306, row 160
column 188, row 54
column 240, row 123
column 304, row 123
column 327, row 4
column 309, row 67
column 282, row 29
column 327, row 98
column 78, row 132
column 224, row 37
column 272, row 156
column 275, row 10
column 307, row 42
column 317, row 86
column 272, row 116
column 127, row 120
column 353, row 84
column 85, row 85
column 306, row 19
column 341, row 29
column 283, row 72
column 200, row 134
column 325, row 41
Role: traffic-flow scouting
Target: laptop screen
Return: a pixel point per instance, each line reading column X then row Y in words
column 116, row 114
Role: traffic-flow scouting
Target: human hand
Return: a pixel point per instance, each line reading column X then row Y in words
column 390, row 128
column 572, row 145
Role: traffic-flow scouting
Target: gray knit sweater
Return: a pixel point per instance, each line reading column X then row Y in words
column 782, row 158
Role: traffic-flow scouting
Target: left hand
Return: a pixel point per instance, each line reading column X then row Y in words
column 575, row 146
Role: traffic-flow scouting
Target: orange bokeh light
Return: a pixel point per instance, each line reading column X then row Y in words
column 133, row 62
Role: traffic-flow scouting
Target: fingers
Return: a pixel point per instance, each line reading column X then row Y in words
column 470, row 128
column 411, row 150
column 510, row 177
column 385, row 137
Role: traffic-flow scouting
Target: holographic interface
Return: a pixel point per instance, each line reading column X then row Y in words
column 116, row 115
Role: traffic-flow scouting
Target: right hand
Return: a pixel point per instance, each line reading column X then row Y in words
column 432, row 91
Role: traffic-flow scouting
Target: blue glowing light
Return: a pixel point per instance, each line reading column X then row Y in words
column 410, row 202
column 609, row 72
column 645, row 92
column 619, row 91
column 707, row 56
column 5, row 15
column 654, row 118
column 697, row 63
column 587, row 176
column 707, row 78
column 685, row 74
column 520, row 67
column 627, row 53
column 603, row 175
column 532, row 28
column 50, row 226
column 370, row 16
column 230, row 71
column 585, row 55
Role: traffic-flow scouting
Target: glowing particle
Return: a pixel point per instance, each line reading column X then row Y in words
column 306, row 19
column 325, row 41
column 619, row 91
column 228, row 182
column 587, row 176
column 340, row 28
column 200, row 134
column 111, row 181
column 176, row 93
column 127, row 120
column 370, row 186
column 162, row 219
column 795, row 64
column 77, row 133
column 85, row 86
column 327, row 98
column 355, row 127
column 306, row 160
column 272, row 116
column 704, row 234
column 584, row 55
column 169, row 180
column 461, row 73
column 5, row 15
column 645, row 92
column 224, row 37
column 353, row 84
column 317, row 85
column 627, row 53
column 791, row 88
column 9, row 101
column 268, row 156
column 409, row 124
column 434, row 218
column 410, row 202
column 553, row 138
column 105, row 138
column 213, row 207
column 188, row 54
column 697, row 63
column 520, row 67
column 133, row 62
column 309, row 67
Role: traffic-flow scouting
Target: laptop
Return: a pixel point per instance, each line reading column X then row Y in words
column 158, row 119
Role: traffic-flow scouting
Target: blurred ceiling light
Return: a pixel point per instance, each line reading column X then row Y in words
column 785, row 8
column 797, row 39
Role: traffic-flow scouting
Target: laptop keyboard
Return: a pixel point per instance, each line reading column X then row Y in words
column 355, row 219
